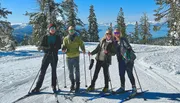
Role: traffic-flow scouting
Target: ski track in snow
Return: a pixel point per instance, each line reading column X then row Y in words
column 157, row 68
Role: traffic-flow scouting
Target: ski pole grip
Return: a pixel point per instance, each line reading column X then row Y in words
column 91, row 64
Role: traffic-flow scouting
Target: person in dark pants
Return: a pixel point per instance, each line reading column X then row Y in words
column 104, row 51
column 122, row 47
column 50, row 44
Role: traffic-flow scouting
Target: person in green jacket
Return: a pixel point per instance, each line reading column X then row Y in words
column 71, row 45
column 104, row 51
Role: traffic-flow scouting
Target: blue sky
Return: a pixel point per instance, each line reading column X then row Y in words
column 106, row 10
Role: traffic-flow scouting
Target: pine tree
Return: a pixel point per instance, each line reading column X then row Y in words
column 121, row 23
column 70, row 9
column 49, row 11
column 84, row 35
column 136, row 33
column 93, row 27
column 110, row 27
column 145, row 28
column 25, row 40
column 7, row 42
column 169, row 11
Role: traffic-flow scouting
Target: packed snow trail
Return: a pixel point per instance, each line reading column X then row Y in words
column 157, row 67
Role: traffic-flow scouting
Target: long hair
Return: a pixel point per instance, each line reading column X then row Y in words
column 107, row 31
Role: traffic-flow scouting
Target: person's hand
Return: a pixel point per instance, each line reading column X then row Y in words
column 84, row 52
column 89, row 53
column 105, row 51
column 39, row 48
column 117, row 38
column 63, row 50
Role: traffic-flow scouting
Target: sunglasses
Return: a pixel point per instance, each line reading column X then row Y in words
column 52, row 28
column 116, row 33
column 71, row 30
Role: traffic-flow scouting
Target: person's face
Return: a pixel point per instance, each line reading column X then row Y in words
column 108, row 35
column 52, row 30
column 116, row 33
column 71, row 30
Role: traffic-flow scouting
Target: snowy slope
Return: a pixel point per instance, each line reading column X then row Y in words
column 157, row 67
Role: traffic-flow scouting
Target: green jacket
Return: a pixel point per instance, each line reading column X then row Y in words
column 110, row 49
column 72, row 47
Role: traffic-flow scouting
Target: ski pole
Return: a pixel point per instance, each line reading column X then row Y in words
column 85, row 71
column 57, row 83
column 37, row 75
column 138, row 79
column 34, row 81
column 110, row 80
column 90, row 69
column 139, row 82
column 64, row 71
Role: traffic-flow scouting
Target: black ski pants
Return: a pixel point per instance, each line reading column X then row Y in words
column 49, row 58
column 126, row 67
column 105, row 66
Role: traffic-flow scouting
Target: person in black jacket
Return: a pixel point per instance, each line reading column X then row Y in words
column 50, row 44
column 104, row 50
column 125, row 63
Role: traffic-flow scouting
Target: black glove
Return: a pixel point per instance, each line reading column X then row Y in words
column 91, row 64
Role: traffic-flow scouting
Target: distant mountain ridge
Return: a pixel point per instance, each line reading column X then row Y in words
column 21, row 29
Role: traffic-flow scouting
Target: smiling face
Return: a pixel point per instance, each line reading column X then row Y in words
column 108, row 35
column 52, row 30
column 71, row 30
column 117, row 33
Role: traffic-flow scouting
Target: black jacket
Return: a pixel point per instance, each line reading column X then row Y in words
column 47, row 48
column 110, row 48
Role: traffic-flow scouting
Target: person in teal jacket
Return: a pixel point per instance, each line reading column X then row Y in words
column 50, row 44
column 71, row 45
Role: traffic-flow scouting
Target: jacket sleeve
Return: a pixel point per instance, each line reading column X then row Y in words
column 43, row 41
column 64, row 44
column 81, row 43
column 96, row 50
column 59, row 42
column 126, row 44
column 44, row 46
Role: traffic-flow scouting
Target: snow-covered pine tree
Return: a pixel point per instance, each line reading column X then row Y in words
column 136, row 33
column 121, row 23
column 7, row 42
column 169, row 11
column 49, row 11
column 25, row 40
column 145, row 29
column 84, row 35
column 110, row 27
column 93, row 26
column 70, row 10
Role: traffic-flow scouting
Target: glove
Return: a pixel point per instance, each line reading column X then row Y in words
column 105, row 51
column 89, row 53
column 91, row 64
column 84, row 52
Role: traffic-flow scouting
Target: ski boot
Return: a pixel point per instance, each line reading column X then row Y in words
column 105, row 89
column 90, row 88
column 120, row 90
column 134, row 91
column 35, row 90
